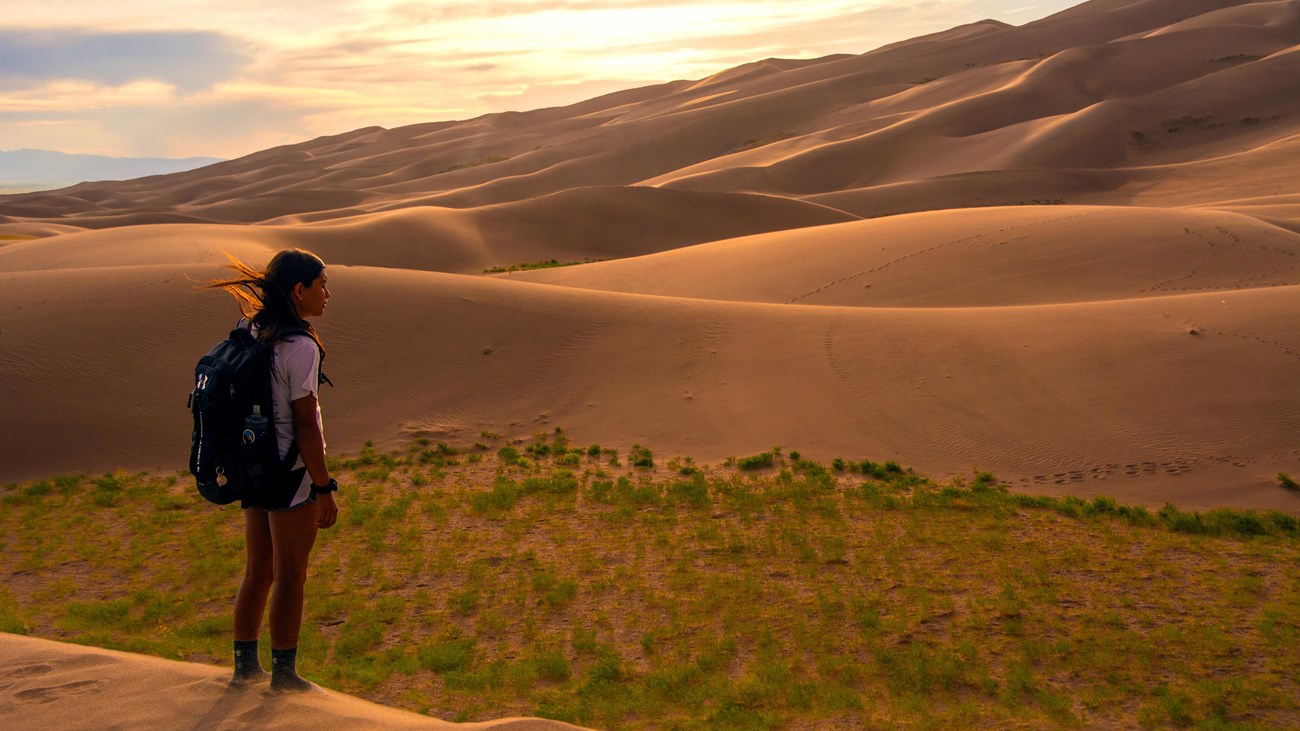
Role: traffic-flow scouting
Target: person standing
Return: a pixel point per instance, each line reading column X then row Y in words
column 280, row 523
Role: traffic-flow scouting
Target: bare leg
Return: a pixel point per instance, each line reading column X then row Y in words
column 250, row 602
column 293, row 532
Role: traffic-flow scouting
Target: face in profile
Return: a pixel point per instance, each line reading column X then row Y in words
column 311, row 300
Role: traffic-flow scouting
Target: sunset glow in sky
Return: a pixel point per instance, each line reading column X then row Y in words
column 225, row 78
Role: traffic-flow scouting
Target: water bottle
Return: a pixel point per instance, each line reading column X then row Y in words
column 254, row 450
column 255, row 426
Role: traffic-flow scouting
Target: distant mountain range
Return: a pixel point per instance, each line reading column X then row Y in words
column 31, row 170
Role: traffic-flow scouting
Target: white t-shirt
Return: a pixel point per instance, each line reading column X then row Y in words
column 295, row 369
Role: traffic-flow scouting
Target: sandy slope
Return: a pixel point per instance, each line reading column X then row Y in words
column 46, row 684
column 976, row 258
column 1066, row 92
column 1186, row 382
column 1134, row 338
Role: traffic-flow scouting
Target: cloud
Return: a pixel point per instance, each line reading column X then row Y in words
column 272, row 71
column 155, row 122
column 225, row 126
column 191, row 60
column 451, row 10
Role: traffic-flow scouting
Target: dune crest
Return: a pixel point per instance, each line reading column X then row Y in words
column 1066, row 252
column 51, row 685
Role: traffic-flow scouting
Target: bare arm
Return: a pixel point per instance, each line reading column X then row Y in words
column 311, row 445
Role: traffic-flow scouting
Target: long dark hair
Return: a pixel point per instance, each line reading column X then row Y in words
column 265, row 297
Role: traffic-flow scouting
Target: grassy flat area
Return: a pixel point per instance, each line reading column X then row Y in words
column 626, row 591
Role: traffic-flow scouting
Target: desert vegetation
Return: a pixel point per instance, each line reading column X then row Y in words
column 528, row 266
column 624, row 590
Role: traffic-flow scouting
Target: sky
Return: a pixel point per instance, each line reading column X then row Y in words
column 226, row 78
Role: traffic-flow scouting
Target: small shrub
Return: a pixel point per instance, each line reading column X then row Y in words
column 683, row 466
column 1103, row 506
column 464, row 602
column 1137, row 515
column 509, row 456
column 527, row 266
column 694, row 492
column 1072, row 506
column 601, row 490
column 108, row 490
column 756, row 462
column 1285, row 481
column 447, row 655
column 359, row 635
column 1181, row 522
column 561, row 482
column 607, row 669
column 1284, row 523
column 867, row 467
column 554, row 591
column 641, row 457
column 503, row 496
column 552, row 665
column 1235, row 522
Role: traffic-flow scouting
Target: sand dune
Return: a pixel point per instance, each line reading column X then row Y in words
column 1135, row 338
column 1188, row 382
column 596, row 224
column 1067, row 253
column 979, row 258
column 1058, row 93
column 47, row 684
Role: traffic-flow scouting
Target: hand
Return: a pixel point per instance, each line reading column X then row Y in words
column 327, row 510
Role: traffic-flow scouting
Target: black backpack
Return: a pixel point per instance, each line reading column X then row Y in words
column 227, row 462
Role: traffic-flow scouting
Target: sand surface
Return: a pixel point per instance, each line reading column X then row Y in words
column 1066, row 252
column 53, row 685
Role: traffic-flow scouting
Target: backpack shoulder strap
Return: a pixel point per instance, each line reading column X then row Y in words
column 320, row 372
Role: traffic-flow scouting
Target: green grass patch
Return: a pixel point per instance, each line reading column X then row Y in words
column 773, row 592
column 528, row 266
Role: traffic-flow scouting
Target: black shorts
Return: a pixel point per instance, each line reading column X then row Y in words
column 285, row 494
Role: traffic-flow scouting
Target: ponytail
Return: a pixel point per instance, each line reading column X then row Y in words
column 264, row 297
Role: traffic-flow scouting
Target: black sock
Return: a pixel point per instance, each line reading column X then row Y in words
column 284, row 671
column 247, row 665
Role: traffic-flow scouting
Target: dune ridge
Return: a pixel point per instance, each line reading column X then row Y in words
column 1061, row 92
column 1066, row 252
column 52, row 684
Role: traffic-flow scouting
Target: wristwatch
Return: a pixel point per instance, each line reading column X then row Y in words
column 330, row 486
